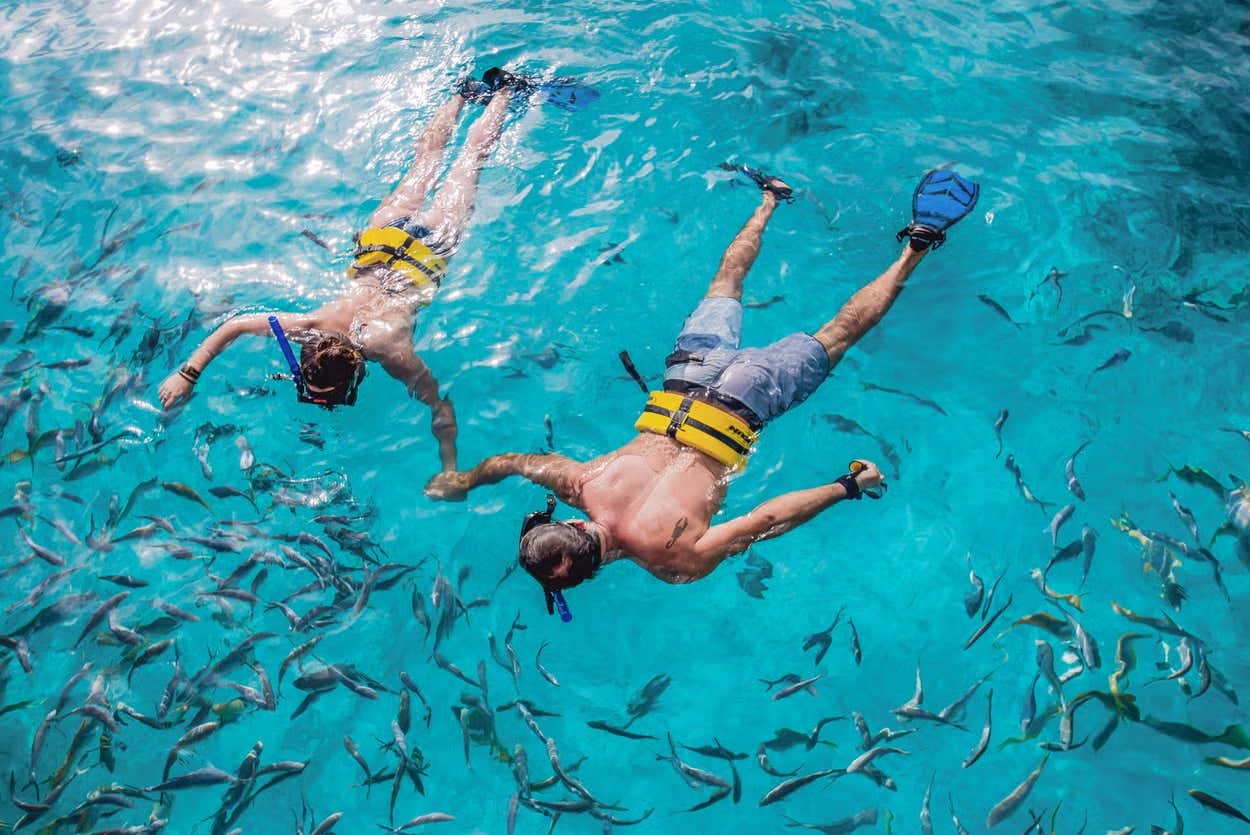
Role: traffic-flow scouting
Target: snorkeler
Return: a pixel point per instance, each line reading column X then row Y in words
column 652, row 500
column 398, row 263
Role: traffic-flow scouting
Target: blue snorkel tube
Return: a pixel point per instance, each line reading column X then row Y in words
column 287, row 352
column 562, row 607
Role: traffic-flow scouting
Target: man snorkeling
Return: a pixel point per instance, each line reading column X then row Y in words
column 652, row 500
column 398, row 263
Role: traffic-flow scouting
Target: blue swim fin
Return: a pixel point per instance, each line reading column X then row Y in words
column 567, row 93
column 942, row 199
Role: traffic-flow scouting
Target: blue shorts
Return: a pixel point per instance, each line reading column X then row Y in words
column 767, row 380
column 425, row 235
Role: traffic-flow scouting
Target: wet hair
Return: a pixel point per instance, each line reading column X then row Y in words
column 543, row 549
column 330, row 362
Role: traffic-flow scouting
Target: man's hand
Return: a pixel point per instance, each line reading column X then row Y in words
column 448, row 486
column 868, row 477
column 174, row 390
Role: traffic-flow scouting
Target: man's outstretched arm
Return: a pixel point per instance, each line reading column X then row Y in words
column 560, row 475
column 771, row 519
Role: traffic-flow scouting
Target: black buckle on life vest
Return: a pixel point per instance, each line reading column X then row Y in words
column 679, row 417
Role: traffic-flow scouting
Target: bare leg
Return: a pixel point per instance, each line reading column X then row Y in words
column 741, row 252
column 408, row 198
column 866, row 307
column 453, row 202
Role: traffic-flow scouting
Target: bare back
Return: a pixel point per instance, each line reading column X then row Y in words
column 656, row 497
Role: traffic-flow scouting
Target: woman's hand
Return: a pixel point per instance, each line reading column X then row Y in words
column 175, row 389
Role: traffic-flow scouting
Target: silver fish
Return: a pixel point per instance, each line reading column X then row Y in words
column 1046, row 666
column 789, row 787
column 1014, row 469
column 805, row 684
column 984, row 741
column 973, row 598
column 999, row 422
column 1069, row 471
column 1062, row 515
column 541, row 669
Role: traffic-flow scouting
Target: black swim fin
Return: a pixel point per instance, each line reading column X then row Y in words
column 765, row 182
column 568, row 94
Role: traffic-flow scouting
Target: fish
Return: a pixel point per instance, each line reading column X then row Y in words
column 1120, row 357
column 1014, row 469
column 1067, row 552
column 959, row 827
column 789, row 787
column 1052, row 278
column 183, row 491
column 196, row 779
column 1062, row 515
column 761, row 758
column 718, row 751
column 915, row 398
column 975, row 636
column 798, row 686
column 1089, row 538
column 984, row 741
column 1126, row 309
column 823, row 639
column 999, row 422
column 1086, row 646
column 926, row 815
column 973, row 598
column 1176, row 331
column 1217, row 805
column 98, row 616
column 1073, row 600
column 1017, row 796
column 1046, row 666
column 1048, row 623
column 600, row 725
column 1226, row 762
column 997, row 308
column 542, row 671
column 1186, row 516
column 861, row 762
column 646, row 699
column 1164, row 624
column 1085, row 337
column 1069, row 471
column 856, row 652
column 1199, row 477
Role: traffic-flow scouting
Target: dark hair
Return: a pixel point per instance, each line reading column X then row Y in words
column 544, row 547
column 330, row 362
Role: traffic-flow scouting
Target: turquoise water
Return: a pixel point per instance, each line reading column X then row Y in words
column 173, row 156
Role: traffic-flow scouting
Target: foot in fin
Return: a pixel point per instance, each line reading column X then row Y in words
column 942, row 199
column 766, row 182
column 474, row 90
column 565, row 93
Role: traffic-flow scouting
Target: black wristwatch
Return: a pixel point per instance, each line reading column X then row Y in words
column 850, row 485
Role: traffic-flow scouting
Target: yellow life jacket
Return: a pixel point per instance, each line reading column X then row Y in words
column 396, row 250
column 710, row 429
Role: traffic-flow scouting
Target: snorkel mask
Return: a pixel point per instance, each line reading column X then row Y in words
column 555, row 600
column 345, row 396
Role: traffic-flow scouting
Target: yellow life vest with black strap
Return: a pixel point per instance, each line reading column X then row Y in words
column 395, row 249
column 710, row 429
